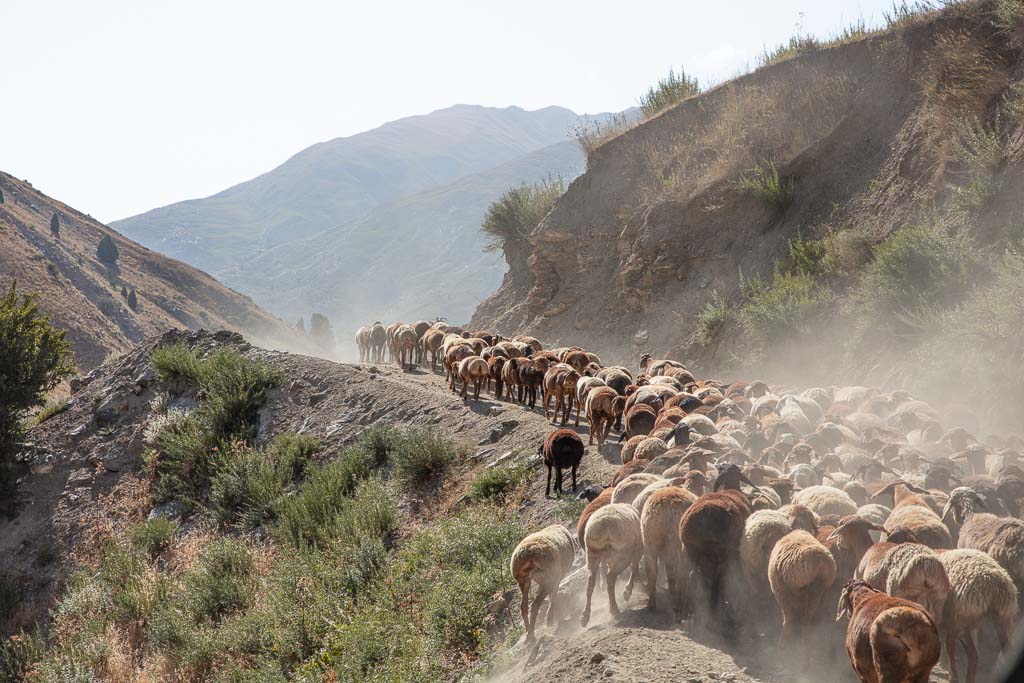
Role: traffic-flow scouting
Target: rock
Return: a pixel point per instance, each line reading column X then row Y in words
column 81, row 477
column 485, row 453
column 295, row 386
column 500, row 459
column 172, row 511
column 110, row 409
column 146, row 377
column 597, row 658
column 318, row 397
column 76, row 384
column 79, row 431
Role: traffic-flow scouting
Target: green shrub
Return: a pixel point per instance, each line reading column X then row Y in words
column 189, row 452
column 807, row 255
column 175, row 362
column 796, row 45
column 569, row 510
column 669, row 90
column 715, row 313
column 154, row 536
column 590, row 134
column 18, row 655
column 326, row 508
column 34, row 358
column 518, row 211
column 421, row 454
column 765, row 183
column 222, row 583
column 106, row 251
column 496, row 482
column 249, row 483
column 782, row 308
column 915, row 270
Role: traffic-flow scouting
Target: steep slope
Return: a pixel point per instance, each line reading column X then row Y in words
column 874, row 134
column 412, row 258
column 83, row 295
column 339, row 180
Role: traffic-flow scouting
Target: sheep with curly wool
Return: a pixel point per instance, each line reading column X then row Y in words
column 979, row 589
column 612, row 540
column 925, row 524
column 761, row 532
column 629, row 488
column 545, row 558
column 825, row 500
column 800, row 571
column 1001, row 537
column 659, row 530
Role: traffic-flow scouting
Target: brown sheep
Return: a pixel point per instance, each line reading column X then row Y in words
column 456, row 354
column 800, row 571
column 378, row 340
column 473, row 369
column 563, row 449
column 632, row 467
column 420, row 327
column 604, row 406
column 544, row 557
column 510, row 378
column 404, row 344
column 495, row 366
column 887, row 639
column 431, row 343
column 639, row 419
column 560, row 382
column 603, row 498
column 363, row 342
column 531, row 378
column 711, row 530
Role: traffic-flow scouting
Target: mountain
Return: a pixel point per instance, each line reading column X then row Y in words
column 416, row 257
column 84, row 295
column 334, row 182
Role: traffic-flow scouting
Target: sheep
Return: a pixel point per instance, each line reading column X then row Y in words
column 604, row 406
column 639, row 419
column 634, row 466
column 848, row 542
column 1001, row 537
column 641, row 498
column 711, row 529
column 629, row 488
column 925, row 524
column 473, row 369
column 562, row 449
column 979, row 588
column 887, row 639
column 825, row 500
column 531, row 378
column 659, row 531
column 363, row 342
column 583, row 387
column 762, row 529
column 649, row 448
column 875, row 513
column 452, row 358
column 560, row 382
column 598, row 502
column 612, row 539
column 915, row 572
column 405, row 340
column 543, row 557
column 700, row 424
column 495, row 370
column 378, row 340
column 510, row 377
column 431, row 342
column 800, row 570
column 420, row 327
column 874, row 566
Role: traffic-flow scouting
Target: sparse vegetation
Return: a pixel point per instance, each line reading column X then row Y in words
column 421, row 454
column 34, row 358
column 765, row 183
column 153, row 536
column 518, row 211
column 55, row 225
column 49, row 410
column 710, row 319
column 783, row 307
column 496, row 482
column 591, row 134
column 133, row 300
column 796, row 45
column 668, row 91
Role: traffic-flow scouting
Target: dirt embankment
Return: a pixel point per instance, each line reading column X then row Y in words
column 658, row 224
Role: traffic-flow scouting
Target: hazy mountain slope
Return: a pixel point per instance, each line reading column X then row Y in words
column 83, row 295
column 334, row 182
column 417, row 257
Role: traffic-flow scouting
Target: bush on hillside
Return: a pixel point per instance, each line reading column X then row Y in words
column 765, row 183
column 518, row 211
column 668, row 91
column 55, row 225
column 154, row 536
column 782, row 308
column 34, row 358
column 590, row 134
column 421, row 454
column 715, row 313
column 496, row 482
column 796, row 45
column 915, row 271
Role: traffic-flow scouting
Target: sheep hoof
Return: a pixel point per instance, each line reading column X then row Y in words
column 585, row 619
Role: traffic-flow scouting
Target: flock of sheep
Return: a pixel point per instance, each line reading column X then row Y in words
column 763, row 508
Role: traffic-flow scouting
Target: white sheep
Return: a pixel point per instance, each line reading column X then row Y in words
column 544, row 557
column 825, row 500
column 612, row 539
column 629, row 488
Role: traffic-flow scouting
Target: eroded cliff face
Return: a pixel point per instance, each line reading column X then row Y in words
column 658, row 224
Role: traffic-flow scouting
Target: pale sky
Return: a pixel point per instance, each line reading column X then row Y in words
column 119, row 106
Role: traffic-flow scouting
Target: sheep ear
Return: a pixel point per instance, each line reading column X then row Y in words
column 836, row 533
column 878, row 527
column 843, row 609
column 946, row 508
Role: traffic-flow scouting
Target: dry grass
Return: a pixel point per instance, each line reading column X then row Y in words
column 746, row 123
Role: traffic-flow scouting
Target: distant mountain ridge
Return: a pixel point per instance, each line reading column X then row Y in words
column 88, row 298
column 333, row 182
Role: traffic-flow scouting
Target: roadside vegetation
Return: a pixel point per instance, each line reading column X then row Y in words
column 515, row 214
column 287, row 563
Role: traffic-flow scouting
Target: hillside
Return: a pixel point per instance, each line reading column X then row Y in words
column 897, row 159
column 408, row 259
column 83, row 295
column 334, row 182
